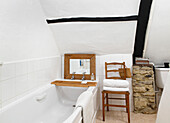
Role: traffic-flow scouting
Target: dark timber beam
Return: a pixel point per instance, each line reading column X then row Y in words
column 142, row 23
column 93, row 19
column 143, row 17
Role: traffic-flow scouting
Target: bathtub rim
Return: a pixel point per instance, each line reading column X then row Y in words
column 37, row 91
column 29, row 95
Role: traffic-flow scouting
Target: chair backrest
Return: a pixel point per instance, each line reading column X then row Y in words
column 122, row 69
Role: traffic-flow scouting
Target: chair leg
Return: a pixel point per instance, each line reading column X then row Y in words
column 126, row 103
column 128, row 109
column 107, row 101
column 103, row 106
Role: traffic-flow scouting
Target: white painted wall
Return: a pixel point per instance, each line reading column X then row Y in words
column 164, row 107
column 24, row 33
column 158, row 34
column 79, row 8
column 27, row 49
column 100, row 72
column 97, row 38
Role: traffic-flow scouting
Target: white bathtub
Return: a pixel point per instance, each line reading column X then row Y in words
column 49, row 104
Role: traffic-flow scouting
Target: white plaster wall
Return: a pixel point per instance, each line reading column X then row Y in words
column 76, row 8
column 164, row 107
column 27, row 49
column 100, row 72
column 97, row 38
column 158, row 34
column 24, row 33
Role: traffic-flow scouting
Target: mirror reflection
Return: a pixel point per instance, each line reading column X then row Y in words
column 80, row 66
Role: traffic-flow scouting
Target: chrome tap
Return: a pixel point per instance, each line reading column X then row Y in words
column 72, row 78
column 83, row 78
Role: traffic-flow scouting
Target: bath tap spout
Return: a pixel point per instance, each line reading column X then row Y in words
column 72, row 78
column 83, row 78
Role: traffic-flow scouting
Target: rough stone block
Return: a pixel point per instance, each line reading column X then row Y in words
column 140, row 103
column 149, row 82
column 148, row 110
column 149, row 94
column 137, row 95
column 136, row 67
column 138, row 77
column 151, row 100
column 140, row 89
column 151, row 78
column 152, row 105
column 146, row 68
column 149, row 87
column 145, row 72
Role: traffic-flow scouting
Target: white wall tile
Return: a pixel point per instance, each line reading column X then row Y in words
column 32, row 80
column 47, row 63
column 58, row 68
column 42, row 76
column 5, row 103
column 8, row 89
column 0, row 72
column 39, row 65
column 0, row 97
column 8, row 71
column 22, row 84
column 22, row 77
column 31, row 66
column 21, row 68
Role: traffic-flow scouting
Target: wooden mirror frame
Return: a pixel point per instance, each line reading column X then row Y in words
column 67, row 58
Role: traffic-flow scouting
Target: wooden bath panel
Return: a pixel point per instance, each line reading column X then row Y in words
column 73, row 83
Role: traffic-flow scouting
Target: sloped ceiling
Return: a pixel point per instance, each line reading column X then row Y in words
column 99, row 38
column 158, row 39
column 92, row 37
column 75, row 8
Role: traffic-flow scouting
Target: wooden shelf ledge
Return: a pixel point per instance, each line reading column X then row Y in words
column 73, row 83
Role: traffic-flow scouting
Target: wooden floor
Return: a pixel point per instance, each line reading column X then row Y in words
column 121, row 117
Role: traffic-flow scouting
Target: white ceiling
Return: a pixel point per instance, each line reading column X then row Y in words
column 99, row 38
column 158, row 37
column 76, row 8
column 91, row 37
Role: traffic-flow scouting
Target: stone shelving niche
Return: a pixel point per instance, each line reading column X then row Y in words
column 143, row 89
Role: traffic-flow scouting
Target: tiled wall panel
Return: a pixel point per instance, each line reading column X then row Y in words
column 22, row 77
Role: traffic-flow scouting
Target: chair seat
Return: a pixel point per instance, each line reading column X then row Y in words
column 115, row 89
column 115, row 83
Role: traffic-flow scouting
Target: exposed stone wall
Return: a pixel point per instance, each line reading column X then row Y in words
column 143, row 89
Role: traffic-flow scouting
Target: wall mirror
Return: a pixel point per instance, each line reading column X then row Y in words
column 79, row 63
column 79, row 66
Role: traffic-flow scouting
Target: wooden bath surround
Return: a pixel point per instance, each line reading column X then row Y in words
column 74, row 83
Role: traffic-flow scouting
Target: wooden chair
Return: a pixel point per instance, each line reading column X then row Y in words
column 115, row 91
